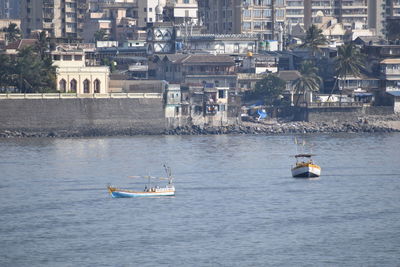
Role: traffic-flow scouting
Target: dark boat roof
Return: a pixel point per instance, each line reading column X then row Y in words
column 304, row 155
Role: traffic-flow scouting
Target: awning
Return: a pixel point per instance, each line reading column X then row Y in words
column 363, row 94
column 394, row 93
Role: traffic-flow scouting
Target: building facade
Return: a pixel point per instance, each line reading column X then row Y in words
column 381, row 13
column 73, row 76
column 61, row 19
column 9, row 9
column 271, row 18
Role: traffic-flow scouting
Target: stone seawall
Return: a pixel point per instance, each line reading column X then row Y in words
column 333, row 114
column 82, row 117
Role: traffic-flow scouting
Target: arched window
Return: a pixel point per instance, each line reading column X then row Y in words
column 86, row 86
column 72, row 86
column 62, row 86
column 96, row 85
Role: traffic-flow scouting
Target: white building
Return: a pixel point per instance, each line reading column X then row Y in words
column 147, row 11
column 73, row 76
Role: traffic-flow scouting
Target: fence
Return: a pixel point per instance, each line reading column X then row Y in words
column 331, row 104
column 75, row 96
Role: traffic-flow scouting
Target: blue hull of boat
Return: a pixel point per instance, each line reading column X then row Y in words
column 117, row 194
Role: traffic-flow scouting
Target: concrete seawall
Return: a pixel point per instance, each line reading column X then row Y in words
column 83, row 116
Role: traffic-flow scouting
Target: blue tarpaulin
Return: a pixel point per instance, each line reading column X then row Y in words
column 262, row 114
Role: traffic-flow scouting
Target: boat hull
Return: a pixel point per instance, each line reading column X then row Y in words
column 307, row 171
column 120, row 193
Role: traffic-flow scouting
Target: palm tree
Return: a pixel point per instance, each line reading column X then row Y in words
column 12, row 32
column 309, row 80
column 42, row 45
column 349, row 62
column 313, row 39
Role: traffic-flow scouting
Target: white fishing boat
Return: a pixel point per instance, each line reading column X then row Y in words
column 150, row 189
column 305, row 167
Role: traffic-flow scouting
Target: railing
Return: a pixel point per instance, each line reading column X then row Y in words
column 79, row 96
column 331, row 104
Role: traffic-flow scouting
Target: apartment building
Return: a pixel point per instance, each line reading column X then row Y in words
column 268, row 17
column 304, row 12
column 352, row 13
column 9, row 9
column 242, row 16
column 62, row 19
column 181, row 11
column 381, row 12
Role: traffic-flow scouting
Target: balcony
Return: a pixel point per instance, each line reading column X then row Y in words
column 70, row 20
column 138, row 68
column 70, row 10
column 48, row 25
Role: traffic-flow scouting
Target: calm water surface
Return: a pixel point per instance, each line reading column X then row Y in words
column 236, row 203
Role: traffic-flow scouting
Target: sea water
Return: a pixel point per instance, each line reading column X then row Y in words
column 236, row 203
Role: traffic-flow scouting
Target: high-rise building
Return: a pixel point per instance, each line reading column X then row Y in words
column 381, row 12
column 9, row 9
column 266, row 17
column 181, row 11
column 352, row 13
column 302, row 11
column 240, row 16
column 62, row 19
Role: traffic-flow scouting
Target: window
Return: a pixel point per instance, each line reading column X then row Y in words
column 246, row 14
column 236, row 48
column 280, row 13
column 221, row 94
column 67, row 57
column 246, row 25
column 86, row 86
column 73, row 84
column 257, row 13
column 96, row 85
column 267, row 13
column 78, row 57
column 62, row 86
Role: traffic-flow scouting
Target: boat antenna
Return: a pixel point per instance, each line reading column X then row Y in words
column 168, row 172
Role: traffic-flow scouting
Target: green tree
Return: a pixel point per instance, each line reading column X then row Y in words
column 313, row 39
column 349, row 62
column 13, row 33
column 100, row 35
column 110, row 63
column 309, row 80
column 393, row 30
column 42, row 46
column 6, row 71
column 269, row 89
column 32, row 74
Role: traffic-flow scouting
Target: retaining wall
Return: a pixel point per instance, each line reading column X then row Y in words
column 84, row 115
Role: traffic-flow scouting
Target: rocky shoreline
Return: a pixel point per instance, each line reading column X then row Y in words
column 285, row 128
column 371, row 124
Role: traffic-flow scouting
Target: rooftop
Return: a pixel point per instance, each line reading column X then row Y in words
column 23, row 43
column 391, row 61
column 288, row 75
